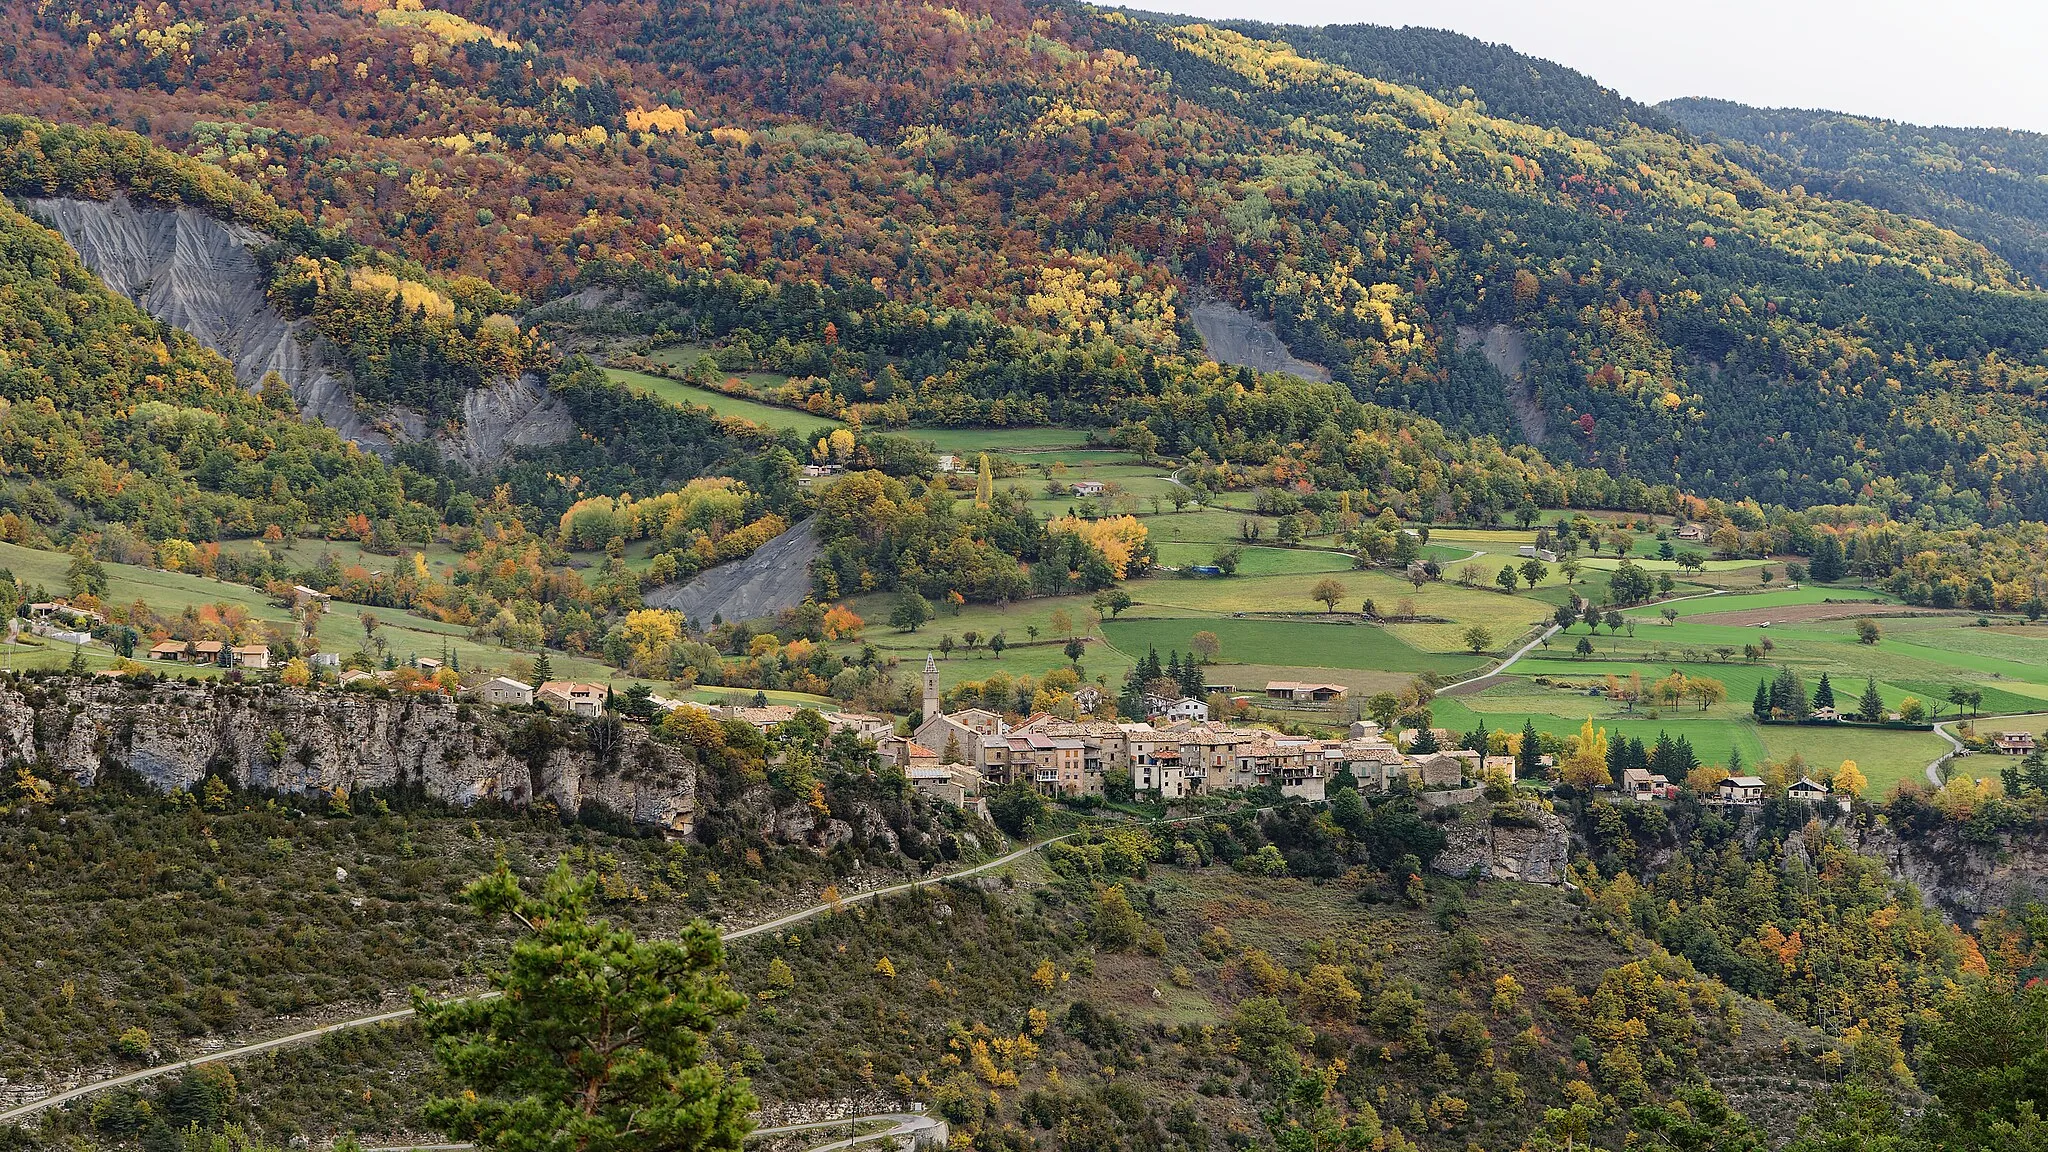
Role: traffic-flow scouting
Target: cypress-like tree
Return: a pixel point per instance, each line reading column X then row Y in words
column 1823, row 694
column 1788, row 695
column 1761, row 706
column 1131, row 701
column 1826, row 566
column 1530, row 765
column 1683, row 758
column 1870, row 709
column 1475, row 740
column 2034, row 772
column 1617, row 759
column 1664, row 755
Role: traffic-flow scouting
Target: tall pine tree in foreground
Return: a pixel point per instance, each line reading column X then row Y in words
column 596, row 1040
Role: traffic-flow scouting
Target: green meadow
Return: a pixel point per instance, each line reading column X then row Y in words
column 766, row 415
column 1287, row 642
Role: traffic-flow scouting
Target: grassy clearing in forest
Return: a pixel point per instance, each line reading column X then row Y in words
column 766, row 415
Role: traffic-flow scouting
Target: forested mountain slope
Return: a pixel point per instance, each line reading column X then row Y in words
column 130, row 421
column 1076, row 172
column 1071, row 175
column 1453, row 67
column 1986, row 183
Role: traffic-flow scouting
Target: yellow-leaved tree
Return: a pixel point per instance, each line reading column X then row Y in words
column 1119, row 539
column 649, row 634
column 1586, row 767
column 1849, row 780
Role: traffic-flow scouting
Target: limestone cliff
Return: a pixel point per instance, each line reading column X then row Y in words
column 1963, row 878
column 173, row 735
column 1520, row 841
column 200, row 274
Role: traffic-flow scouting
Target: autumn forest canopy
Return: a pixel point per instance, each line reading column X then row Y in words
column 1026, row 200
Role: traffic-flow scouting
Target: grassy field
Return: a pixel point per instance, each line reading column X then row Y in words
column 687, row 355
column 766, row 415
column 1711, row 738
column 340, row 631
column 1026, row 656
column 1504, row 616
column 1775, row 598
column 1885, row 758
column 1297, row 643
column 1653, row 565
column 1070, row 444
column 1258, row 561
column 1924, row 657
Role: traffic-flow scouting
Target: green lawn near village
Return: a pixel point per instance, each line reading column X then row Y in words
column 1886, row 758
column 1298, row 643
column 1712, row 738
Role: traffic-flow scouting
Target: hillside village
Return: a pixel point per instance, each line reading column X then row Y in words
column 1177, row 751
column 961, row 757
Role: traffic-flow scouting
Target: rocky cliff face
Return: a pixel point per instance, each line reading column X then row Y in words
column 173, row 735
column 1526, row 842
column 194, row 272
column 510, row 414
column 1963, row 878
column 200, row 274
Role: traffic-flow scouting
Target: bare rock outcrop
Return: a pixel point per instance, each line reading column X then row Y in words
column 1235, row 336
column 1963, row 878
column 1506, row 350
column 173, row 735
column 776, row 576
column 200, row 274
column 1523, row 841
column 497, row 419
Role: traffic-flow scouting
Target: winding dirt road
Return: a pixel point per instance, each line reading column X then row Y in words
column 58, row 1099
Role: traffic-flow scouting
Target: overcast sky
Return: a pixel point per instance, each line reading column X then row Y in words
column 1964, row 62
